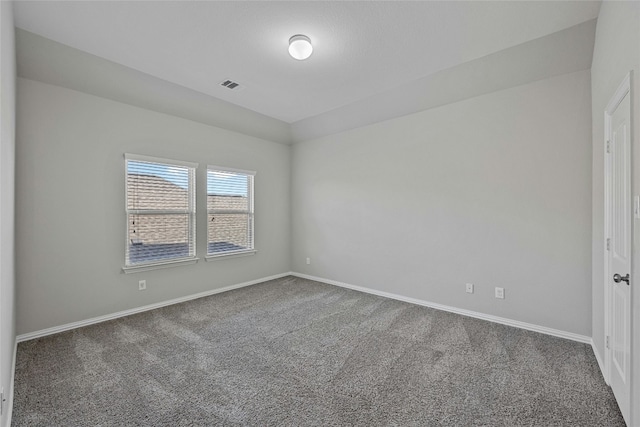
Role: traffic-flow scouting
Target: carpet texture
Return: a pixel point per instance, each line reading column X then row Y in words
column 297, row 352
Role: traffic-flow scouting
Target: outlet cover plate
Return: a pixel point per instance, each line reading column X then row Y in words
column 499, row 293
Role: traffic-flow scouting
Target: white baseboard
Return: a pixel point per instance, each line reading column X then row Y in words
column 13, row 377
column 68, row 326
column 599, row 360
column 502, row 320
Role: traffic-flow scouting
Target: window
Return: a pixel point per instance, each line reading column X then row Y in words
column 160, row 204
column 229, row 211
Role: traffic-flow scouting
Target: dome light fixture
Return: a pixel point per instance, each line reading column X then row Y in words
column 300, row 47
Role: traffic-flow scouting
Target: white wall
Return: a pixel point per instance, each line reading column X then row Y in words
column 494, row 190
column 70, row 204
column 7, row 181
column 616, row 52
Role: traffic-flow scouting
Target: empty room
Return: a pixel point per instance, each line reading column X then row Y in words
column 310, row 213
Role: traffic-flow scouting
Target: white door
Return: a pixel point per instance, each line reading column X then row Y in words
column 618, row 352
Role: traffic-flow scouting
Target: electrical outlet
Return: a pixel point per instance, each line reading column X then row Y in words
column 469, row 288
column 2, row 400
column 142, row 285
column 308, row 261
column 500, row 293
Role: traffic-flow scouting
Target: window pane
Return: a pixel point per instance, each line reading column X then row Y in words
column 157, row 186
column 227, row 184
column 159, row 237
column 229, row 232
column 230, row 211
column 160, row 211
column 227, row 202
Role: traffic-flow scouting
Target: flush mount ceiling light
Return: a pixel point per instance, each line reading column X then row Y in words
column 300, row 47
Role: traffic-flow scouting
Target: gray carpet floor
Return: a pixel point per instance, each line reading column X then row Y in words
column 297, row 352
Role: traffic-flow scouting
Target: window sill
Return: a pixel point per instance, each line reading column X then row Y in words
column 156, row 266
column 231, row 255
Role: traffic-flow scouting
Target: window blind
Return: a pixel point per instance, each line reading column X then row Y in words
column 160, row 211
column 229, row 211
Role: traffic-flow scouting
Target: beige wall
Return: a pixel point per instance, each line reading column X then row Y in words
column 616, row 53
column 494, row 190
column 71, row 206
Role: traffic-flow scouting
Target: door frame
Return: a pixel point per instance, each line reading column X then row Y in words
column 623, row 90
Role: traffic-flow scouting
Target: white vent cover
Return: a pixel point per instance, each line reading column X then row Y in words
column 230, row 84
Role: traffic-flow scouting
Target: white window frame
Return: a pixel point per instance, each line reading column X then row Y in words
column 250, row 212
column 191, row 259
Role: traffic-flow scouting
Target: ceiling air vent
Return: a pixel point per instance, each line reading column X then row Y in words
column 230, row 84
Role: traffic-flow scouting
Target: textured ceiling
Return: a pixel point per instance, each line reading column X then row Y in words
column 361, row 49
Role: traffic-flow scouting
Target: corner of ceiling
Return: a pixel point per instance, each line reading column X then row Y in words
column 47, row 61
column 563, row 52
